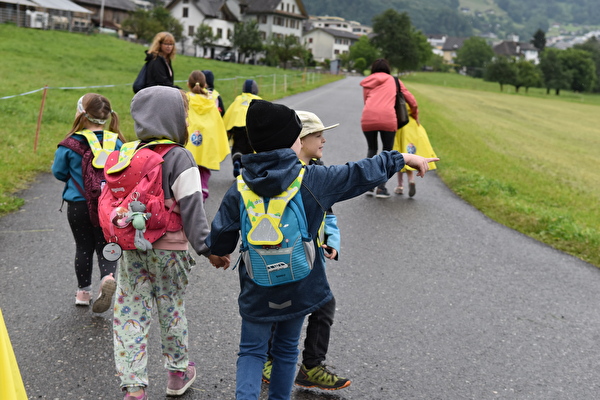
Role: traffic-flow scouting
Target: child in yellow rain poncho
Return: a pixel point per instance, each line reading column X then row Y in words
column 235, row 123
column 207, row 135
column 412, row 139
column 11, row 385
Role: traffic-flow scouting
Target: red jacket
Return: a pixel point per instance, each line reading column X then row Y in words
column 379, row 95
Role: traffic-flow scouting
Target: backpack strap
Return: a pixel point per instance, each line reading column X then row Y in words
column 265, row 224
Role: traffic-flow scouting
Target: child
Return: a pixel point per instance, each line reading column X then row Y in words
column 273, row 131
column 93, row 111
column 412, row 138
column 312, row 372
column 210, row 86
column 235, row 123
column 207, row 135
column 159, row 277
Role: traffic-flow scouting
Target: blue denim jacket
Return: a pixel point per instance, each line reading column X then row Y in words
column 268, row 174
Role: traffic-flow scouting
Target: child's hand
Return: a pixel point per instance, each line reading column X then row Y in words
column 419, row 163
column 220, row 261
column 330, row 252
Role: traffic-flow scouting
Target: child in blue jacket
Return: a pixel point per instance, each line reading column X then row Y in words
column 273, row 131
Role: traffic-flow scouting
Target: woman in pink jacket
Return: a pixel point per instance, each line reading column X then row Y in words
column 379, row 115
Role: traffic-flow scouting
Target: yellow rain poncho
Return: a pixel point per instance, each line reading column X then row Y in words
column 412, row 138
column 236, row 113
column 208, row 138
column 11, row 384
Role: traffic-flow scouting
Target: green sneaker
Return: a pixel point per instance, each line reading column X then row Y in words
column 320, row 377
column 266, row 375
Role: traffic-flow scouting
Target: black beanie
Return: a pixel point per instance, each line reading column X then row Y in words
column 271, row 126
column 210, row 78
column 250, row 86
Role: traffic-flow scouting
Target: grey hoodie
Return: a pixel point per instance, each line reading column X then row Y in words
column 159, row 113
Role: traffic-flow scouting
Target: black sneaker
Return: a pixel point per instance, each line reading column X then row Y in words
column 412, row 189
column 382, row 193
column 320, row 377
column 370, row 192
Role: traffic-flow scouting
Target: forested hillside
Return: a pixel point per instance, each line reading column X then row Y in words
column 468, row 17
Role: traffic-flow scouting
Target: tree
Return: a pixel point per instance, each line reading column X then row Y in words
column 146, row 24
column 539, row 40
column 556, row 75
column 592, row 46
column 404, row 47
column 582, row 69
column 246, row 38
column 284, row 49
column 203, row 37
column 363, row 49
column 502, row 70
column 528, row 75
column 474, row 54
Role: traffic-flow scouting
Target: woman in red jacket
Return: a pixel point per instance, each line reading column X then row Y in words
column 379, row 115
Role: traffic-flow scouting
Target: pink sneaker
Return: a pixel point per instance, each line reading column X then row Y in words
column 83, row 298
column 180, row 381
column 130, row 397
column 107, row 290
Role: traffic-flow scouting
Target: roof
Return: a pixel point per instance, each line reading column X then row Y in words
column 270, row 6
column 126, row 5
column 337, row 33
column 512, row 48
column 453, row 43
column 65, row 5
column 20, row 2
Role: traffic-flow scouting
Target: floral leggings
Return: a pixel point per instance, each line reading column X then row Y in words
column 145, row 280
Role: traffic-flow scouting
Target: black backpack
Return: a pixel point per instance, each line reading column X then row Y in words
column 140, row 81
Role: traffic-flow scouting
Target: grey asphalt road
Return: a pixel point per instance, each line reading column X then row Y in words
column 434, row 300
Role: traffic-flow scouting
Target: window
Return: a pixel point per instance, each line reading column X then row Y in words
column 219, row 32
column 229, row 33
column 310, row 40
column 336, row 51
column 263, row 35
column 186, row 1
column 293, row 8
column 185, row 12
column 191, row 30
column 288, row 8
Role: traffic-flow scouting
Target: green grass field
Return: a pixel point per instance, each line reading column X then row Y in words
column 529, row 161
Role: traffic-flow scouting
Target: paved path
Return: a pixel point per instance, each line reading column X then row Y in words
column 435, row 301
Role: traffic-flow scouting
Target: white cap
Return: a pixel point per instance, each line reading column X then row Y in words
column 311, row 123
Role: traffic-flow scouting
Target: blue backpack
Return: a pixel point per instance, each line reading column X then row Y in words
column 140, row 81
column 276, row 245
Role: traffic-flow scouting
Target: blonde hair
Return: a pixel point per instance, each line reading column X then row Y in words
column 158, row 40
column 97, row 107
column 197, row 82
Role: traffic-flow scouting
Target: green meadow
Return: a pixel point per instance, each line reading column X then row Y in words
column 527, row 160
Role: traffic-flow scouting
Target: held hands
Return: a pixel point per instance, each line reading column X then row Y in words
column 419, row 163
column 330, row 252
column 220, row 261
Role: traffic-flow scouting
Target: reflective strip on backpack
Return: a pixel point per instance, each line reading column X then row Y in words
column 128, row 150
column 100, row 151
column 265, row 225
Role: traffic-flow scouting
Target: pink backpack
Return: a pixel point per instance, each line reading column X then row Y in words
column 134, row 174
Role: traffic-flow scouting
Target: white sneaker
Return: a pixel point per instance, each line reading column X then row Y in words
column 83, row 297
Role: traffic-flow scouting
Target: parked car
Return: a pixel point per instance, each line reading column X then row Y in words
column 226, row 55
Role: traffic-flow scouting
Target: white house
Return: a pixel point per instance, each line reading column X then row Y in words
column 325, row 43
column 220, row 15
column 276, row 18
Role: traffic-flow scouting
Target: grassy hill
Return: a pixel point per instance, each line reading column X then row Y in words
column 73, row 64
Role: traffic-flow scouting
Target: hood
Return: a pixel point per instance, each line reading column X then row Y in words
column 271, row 172
column 374, row 80
column 149, row 56
column 159, row 113
column 200, row 104
column 210, row 79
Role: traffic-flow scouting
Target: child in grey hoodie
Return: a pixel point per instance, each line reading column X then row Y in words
column 159, row 277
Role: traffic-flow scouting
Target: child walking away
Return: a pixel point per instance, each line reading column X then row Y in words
column 412, row 138
column 235, row 124
column 210, row 86
column 207, row 136
column 313, row 373
column 79, row 162
column 158, row 277
column 272, row 174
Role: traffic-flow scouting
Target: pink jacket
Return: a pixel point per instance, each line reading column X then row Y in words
column 379, row 95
